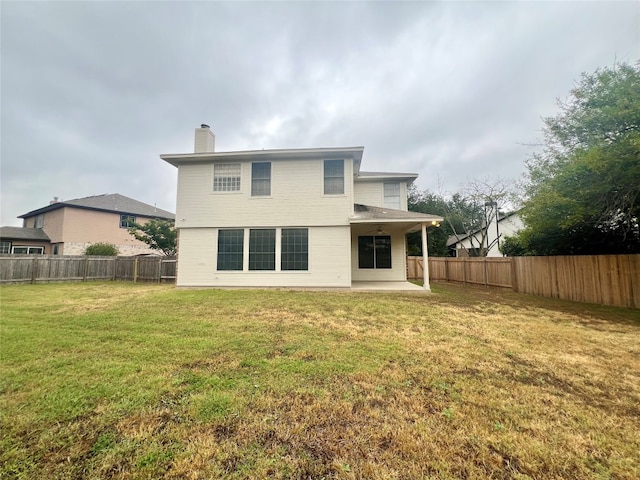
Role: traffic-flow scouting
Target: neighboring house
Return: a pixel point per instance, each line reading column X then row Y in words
column 69, row 227
column 291, row 217
column 29, row 241
column 471, row 244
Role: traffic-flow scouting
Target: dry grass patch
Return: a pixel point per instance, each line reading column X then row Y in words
column 153, row 382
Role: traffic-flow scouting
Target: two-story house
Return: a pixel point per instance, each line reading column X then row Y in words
column 291, row 217
column 69, row 227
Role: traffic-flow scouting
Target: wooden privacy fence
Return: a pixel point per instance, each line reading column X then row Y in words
column 56, row 268
column 604, row 279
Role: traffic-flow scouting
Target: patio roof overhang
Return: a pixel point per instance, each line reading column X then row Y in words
column 407, row 221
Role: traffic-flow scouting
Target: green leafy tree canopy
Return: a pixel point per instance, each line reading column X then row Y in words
column 583, row 186
column 428, row 202
column 158, row 234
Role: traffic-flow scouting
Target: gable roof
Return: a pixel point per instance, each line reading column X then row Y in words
column 19, row 233
column 108, row 202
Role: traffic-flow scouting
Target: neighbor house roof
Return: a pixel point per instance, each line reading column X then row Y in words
column 19, row 233
column 109, row 202
column 453, row 239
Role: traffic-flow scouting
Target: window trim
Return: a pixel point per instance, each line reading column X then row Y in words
column 277, row 253
column 375, row 256
column 325, row 177
column 241, row 252
column 5, row 245
column 259, row 258
column 126, row 220
column 254, row 179
column 396, row 205
column 28, row 252
column 293, row 262
column 227, row 183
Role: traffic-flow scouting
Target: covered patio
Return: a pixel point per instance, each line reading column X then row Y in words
column 389, row 226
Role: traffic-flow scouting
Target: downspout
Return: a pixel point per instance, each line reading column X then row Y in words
column 425, row 258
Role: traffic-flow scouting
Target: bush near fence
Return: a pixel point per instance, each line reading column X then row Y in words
column 60, row 268
column 604, row 279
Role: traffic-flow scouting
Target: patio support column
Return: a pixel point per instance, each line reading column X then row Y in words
column 425, row 258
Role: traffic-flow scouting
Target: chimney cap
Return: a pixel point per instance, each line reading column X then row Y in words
column 204, row 125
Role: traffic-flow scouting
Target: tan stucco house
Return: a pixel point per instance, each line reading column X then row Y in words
column 291, row 217
column 69, row 227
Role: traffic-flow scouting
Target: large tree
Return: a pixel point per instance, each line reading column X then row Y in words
column 158, row 234
column 471, row 211
column 466, row 214
column 583, row 186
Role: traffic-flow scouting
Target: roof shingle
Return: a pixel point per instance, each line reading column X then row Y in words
column 109, row 202
column 19, row 233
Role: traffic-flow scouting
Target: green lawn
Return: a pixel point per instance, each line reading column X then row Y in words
column 130, row 381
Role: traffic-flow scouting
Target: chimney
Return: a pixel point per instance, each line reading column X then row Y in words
column 55, row 200
column 205, row 141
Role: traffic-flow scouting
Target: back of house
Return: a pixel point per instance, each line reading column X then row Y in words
column 288, row 217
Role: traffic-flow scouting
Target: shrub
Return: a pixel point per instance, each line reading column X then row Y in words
column 104, row 249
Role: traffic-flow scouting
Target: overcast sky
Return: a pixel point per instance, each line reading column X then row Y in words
column 93, row 92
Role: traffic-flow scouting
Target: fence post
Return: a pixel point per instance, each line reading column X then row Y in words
column 159, row 269
column 34, row 270
column 85, row 269
column 464, row 271
column 135, row 269
column 486, row 273
column 514, row 275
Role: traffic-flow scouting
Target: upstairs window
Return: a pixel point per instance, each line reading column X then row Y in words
column 334, row 177
column 127, row 221
column 392, row 195
column 260, row 179
column 39, row 221
column 226, row 177
column 374, row 251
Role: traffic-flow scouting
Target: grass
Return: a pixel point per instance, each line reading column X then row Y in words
column 129, row 381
